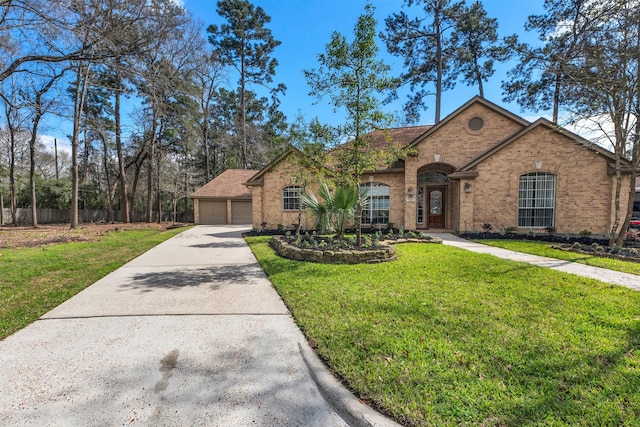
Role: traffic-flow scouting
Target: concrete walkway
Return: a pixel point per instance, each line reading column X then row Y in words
column 191, row 333
column 608, row 276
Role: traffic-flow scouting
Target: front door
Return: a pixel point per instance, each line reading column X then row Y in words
column 435, row 204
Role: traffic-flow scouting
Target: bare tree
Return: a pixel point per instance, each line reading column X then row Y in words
column 39, row 106
column 16, row 121
column 209, row 74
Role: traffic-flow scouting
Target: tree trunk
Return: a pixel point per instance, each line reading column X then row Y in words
column 32, row 164
column 12, row 178
column 152, row 149
column 158, row 193
column 82, row 84
column 105, row 163
column 121, row 170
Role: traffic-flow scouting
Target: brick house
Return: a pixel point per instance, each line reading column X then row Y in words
column 480, row 165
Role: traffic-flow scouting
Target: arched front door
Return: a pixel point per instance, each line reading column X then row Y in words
column 432, row 199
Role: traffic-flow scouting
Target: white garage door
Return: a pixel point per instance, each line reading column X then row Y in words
column 241, row 212
column 213, row 212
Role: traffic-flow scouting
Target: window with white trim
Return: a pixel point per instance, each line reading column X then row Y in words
column 377, row 210
column 536, row 200
column 291, row 198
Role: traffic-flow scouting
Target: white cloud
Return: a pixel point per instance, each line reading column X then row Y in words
column 50, row 141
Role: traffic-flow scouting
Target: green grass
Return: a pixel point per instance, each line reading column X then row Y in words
column 447, row 337
column 545, row 249
column 35, row 280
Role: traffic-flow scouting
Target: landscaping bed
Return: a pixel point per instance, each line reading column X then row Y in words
column 376, row 247
column 624, row 253
column 578, row 244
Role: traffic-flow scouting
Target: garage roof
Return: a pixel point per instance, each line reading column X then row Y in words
column 227, row 185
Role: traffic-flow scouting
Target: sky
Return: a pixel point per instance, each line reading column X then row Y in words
column 304, row 27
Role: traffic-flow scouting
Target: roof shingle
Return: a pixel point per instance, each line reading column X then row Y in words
column 227, row 185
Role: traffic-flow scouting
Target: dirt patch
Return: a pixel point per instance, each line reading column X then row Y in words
column 23, row 236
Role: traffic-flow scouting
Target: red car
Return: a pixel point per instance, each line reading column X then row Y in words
column 634, row 223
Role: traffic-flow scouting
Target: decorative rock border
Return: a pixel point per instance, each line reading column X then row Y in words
column 384, row 252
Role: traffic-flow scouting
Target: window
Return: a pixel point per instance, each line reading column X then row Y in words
column 377, row 210
column 291, row 198
column 536, row 200
column 476, row 123
column 432, row 177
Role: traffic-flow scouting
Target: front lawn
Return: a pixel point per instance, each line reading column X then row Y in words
column 35, row 280
column 444, row 336
column 545, row 249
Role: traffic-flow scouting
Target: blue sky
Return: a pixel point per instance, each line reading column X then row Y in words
column 304, row 27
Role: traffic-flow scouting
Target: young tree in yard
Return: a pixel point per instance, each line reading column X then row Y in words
column 246, row 44
column 354, row 79
column 426, row 46
column 309, row 139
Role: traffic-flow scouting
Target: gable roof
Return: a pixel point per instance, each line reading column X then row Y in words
column 549, row 125
column 475, row 100
column 229, row 184
column 256, row 178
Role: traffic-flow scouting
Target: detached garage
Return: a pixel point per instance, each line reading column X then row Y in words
column 224, row 200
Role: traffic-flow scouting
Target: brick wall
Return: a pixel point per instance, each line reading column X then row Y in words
column 583, row 188
column 456, row 145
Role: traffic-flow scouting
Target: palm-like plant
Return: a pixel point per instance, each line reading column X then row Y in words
column 335, row 210
column 318, row 210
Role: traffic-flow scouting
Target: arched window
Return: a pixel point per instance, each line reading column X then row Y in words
column 536, row 199
column 291, row 198
column 432, row 177
column 377, row 210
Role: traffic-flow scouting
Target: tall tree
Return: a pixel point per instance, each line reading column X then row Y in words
column 588, row 66
column 353, row 78
column 540, row 79
column 475, row 40
column 426, row 46
column 246, row 44
column 606, row 84
column 208, row 75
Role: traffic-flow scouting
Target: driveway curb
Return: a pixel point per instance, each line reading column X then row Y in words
column 348, row 406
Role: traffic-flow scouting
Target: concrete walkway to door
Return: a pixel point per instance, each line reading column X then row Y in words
column 631, row 281
column 191, row 333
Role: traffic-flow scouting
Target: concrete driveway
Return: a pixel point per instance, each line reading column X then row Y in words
column 191, row 333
